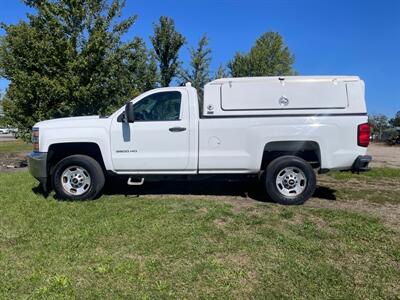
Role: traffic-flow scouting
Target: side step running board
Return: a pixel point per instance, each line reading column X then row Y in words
column 131, row 182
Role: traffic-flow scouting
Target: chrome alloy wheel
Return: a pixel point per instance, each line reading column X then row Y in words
column 75, row 180
column 291, row 182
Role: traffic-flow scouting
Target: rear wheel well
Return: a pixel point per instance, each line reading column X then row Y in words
column 307, row 150
column 59, row 151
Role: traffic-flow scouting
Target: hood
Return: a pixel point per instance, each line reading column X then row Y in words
column 73, row 122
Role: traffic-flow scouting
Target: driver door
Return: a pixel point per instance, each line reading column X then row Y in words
column 158, row 139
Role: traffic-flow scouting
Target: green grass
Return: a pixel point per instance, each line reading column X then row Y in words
column 15, row 146
column 379, row 196
column 150, row 248
column 372, row 173
column 378, row 185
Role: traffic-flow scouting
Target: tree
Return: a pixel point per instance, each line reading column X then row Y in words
column 395, row 122
column 141, row 68
column 221, row 72
column 167, row 43
column 69, row 59
column 378, row 124
column 268, row 57
column 199, row 72
column 1, row 108
column 3, row 120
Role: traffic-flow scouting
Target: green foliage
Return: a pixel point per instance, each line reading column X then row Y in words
column 378, row 124
column 141, row 68
column 3, row 122
column 69, row 59
column 199, row 72
column 395, row 122
column 2, row 119
column 221, row 72
column 166, row 43
column 268, row 57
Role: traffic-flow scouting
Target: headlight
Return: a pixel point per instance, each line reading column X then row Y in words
column 35, row 138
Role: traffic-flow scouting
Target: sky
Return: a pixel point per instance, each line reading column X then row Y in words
column 353, row 37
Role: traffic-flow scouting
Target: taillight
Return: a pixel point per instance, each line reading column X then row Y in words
column 35, row 138
column 363, row 135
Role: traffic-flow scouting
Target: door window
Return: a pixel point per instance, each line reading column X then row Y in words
column 163, row 106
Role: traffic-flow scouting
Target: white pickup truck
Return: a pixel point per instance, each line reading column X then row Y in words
column 281, row 129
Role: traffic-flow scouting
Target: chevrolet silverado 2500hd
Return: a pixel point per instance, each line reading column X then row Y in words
column 282, row 129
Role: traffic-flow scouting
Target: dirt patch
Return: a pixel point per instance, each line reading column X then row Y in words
column 12, row 161
column 384, row 155
column 222, row 222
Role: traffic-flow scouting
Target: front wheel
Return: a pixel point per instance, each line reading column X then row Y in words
column 290, row 180
column 78, row 177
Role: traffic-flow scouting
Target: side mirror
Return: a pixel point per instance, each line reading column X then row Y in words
column 129, row 114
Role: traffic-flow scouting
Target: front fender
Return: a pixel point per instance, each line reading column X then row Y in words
column 99, row 136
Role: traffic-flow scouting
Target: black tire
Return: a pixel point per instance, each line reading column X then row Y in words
column 90, row 165
column 277, row 167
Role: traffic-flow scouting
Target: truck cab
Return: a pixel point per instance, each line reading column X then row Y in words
column 162, row 137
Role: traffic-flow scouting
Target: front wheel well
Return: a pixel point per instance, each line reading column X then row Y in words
column 307, row 150
column 59, row 151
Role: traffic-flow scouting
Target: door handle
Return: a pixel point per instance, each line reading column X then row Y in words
column 177, row 129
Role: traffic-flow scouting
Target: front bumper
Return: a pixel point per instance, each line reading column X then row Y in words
column 361, row 163
column 38, row 166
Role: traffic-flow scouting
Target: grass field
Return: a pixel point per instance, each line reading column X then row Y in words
column 371, row 174
column 15, row 146
column 194, row 247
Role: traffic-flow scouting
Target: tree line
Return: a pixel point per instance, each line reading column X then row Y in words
column 383, row 127
column 69, row 58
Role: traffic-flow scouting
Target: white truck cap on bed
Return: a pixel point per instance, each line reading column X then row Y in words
column 228, row 96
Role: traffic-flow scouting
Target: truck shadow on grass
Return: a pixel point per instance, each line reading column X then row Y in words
column 244, row 189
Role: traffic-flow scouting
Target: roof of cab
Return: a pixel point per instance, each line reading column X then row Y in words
column 291, row 78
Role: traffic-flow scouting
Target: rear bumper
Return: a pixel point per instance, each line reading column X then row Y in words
column 361, row 163
column 38, row 166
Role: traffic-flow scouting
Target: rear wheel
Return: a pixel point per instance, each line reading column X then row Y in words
column 290, row 180
column 78, row 177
